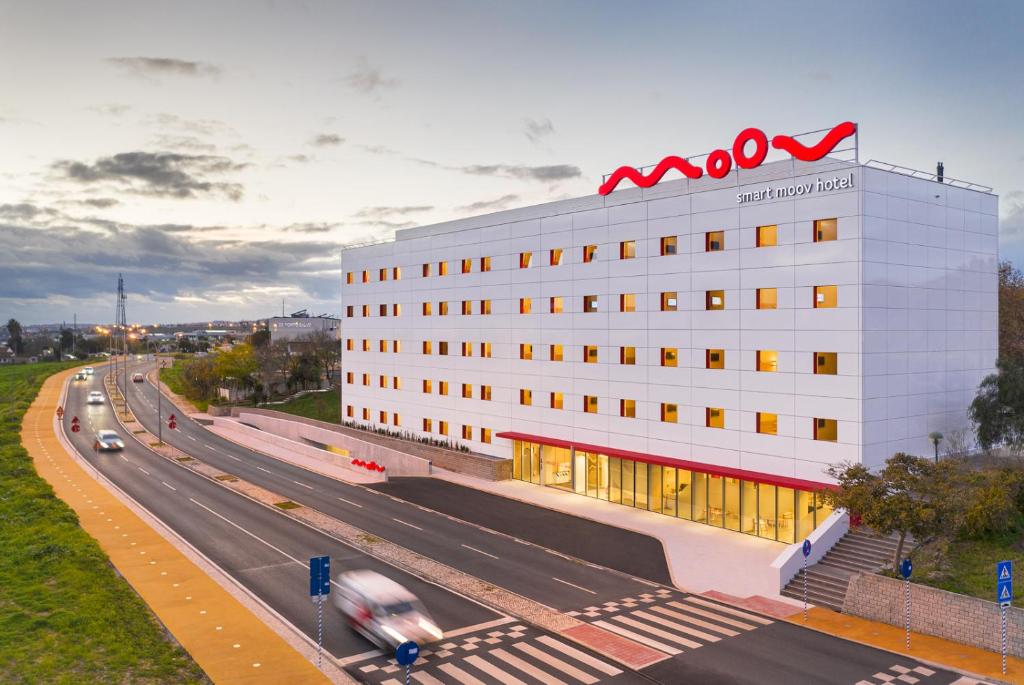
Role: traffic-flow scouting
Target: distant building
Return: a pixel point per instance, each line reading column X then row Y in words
column 298, row 326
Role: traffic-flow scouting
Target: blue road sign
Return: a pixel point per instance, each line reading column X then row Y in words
column 807, row 548
column 906, row 568
column 319, row 576
column 406, row 653
column 1004, row 571
column 1004, row 591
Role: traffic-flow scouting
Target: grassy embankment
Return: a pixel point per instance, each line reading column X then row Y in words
column 171, row 375
column 967, row 566
column 65, row 614
column 322, row 406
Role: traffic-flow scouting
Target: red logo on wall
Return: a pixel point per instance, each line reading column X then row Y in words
column 719, row 162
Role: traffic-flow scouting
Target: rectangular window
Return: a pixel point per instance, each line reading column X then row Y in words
column 590, row 354
column 366, row 414
column 485, row 264
column 396, row 420
column 669, row 356
column 442, row 427
column 383, row 310
column 627, row 355
column 524, row 259
column 426, row 309
column 557, row 400
column 349, row 345
column 714, row 359
column 396, row 309
column 557, row 305
column 525, row 304
column 348, row 278
column 669, row 413
column 396, row 383
column 627, row 249
column 525, row 397
column 442, row 387
column 767, row 423
column 826, row 363
column 428, row 386
column 825, row 296
column 767, row 298
column 427, row 346
column 767, row 360
column 350, row 411
column 485, row 435
column 589, row 252
column 383, row 274
column 590, row 404
column 826, row 429
column 525, row 351
column 467, row 307
column 396, row 274
column 382, row 417
column 467, row 265
column 467, row 349
column 366, row 379
column 485, row 393
column 714, row 241
column 467, row 432
column 669, row 245
column 627, row 409
column 555, row 257
column 366, row 276
column 366, row 310
column 767, row 236
column 669, row 302
column 442, row 347
column 442, row 268
column 427, row 425
column 485, row 307
column 467, row 391
column 442, row 309
column 396, row 346
column 714, row 299
column 714, row 417
column 349, row 311
column 627, row 302
column 382, row 346
column 590, row 304
column 825, row 229
column 556, row 353
column 485, row 349
column 349, row 377
column 426, row 270
column 366, row 345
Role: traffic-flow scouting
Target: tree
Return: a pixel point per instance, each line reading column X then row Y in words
column 272, row 361
column 260, row 338
column 200, row 378
column 15, row 340
column 1011, row 312
column 326, row 349
column 998, row 409
column 239, row 363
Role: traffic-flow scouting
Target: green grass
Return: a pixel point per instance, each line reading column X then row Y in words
column 967, row 566
column 322, row 406
column 171, row 375
column 66, row 617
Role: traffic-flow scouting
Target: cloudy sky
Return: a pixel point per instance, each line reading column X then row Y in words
column 219, row 153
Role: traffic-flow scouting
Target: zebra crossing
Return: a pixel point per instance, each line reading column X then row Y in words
column 899, row 674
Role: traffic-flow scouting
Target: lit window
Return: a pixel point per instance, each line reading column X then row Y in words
column 525, row 351
column 383, row 274
column 525, row 304
column 396, row 309
column 669, row 245
column 669, row 302
column 485, row 349
column 524, row 259
column 826, row 363
column 714, row 359
column 396, row 346
column 590, row 354
column 485, row 435
column 427, row 308
column 627, row 302
column 382, row 417
column 714, row 417
column 366, row 310
column 383, row 310
column 366, row 345
column 627, row 249
column 826, row 429
column 442, row 309
column 557, row 305
column 428, row 386
column 590, row 303
column 349, row 344
column 442, row 427
column 714, row 241
column 348, row 311
column 427, row 347
column 485, row 392
column 767, row 236
column 366, row 379
column 825, row 229
column 557, row 400
column 767, row 360
column 589, row 252
column 442, row 347
column 590, row 404
column 396, row 274
column 442, row 387
column 427, row 426
column 349, row 377
column 348, row 278
column 627, row 409
column 366, row 276
column 627, row 355
column 426, row 270
column 467, row 391
column 396, row 383
column 366, row 414
column 825, row 296
column 382, row 381
column 467, row 432
column 467, row 349
column 467, row 265
column 555, row 257
column 767, row 298
column 442, row 268
column 556, row 353
column 350, row 411
column 485, row 263
column 382, row 346
column 396, row 420
column 714, row 299
column 485, row 306
column 767, row 423
column 525, row 397
column 669, row 413
column 669, row 356
column 467, row 307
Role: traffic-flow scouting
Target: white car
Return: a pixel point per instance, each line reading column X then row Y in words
column 108, row 440
column 89, row 371
column 383, row 611
column 81, row 376
column 95, row 397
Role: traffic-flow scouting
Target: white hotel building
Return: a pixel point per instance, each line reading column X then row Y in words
column 699, row 348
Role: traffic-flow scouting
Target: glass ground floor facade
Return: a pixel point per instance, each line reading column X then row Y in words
column 751, row 506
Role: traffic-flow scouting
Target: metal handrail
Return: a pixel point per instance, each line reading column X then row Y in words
column 927, row 175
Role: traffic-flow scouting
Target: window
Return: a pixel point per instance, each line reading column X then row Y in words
column 767, row 298
column 826, row 429
column 349, row 377
column 714, row 417
column 524, row 259
column 366, row 310
column 428, row 386
column 669, row 413
column 767, row 423
column 382, row 381
column 467, row 307
column 627, row 355
column 366, row 345
column 442, row 309
column 396, row 419
column 525, row 304
column 348, row 278
column 669, row 356
column 589, row 252
column 627, row 409
column 366, row 379
column 442, row 268
column 442, row 347
column 714, row 299
column 396, row 274
column 669, row 245
column 442, row 387
column 714, row 241
column 366, row 414
column 627, row 302
column 426, row 309
column 467, row 391
column 350, row 411
column 525, row 351
column 427, row 426
column 383, row 276
column 396, row 309
column 590, row 304
column 555, row 257
column 383, row 311
column 485, row 349
column 525, row 397
column 485, row 392
column 427, row 347
column 366, row 276
column 590, row 354
column 467, row 349
column 467, row 432
column 767, row 360
column 767, row 236
column 426, row 270
column 442, row 427
column 382, row 346
column 557, row 305
column 825, row 296
column 396, row 383
column 825, row 229
column 826, row 363
column 485, row 435
column 557, row 400
column 485, row 264
column 556, row 353
column 348, row 311
column 485, row 306
column 590, row 404
column 382, row 417
column 349, row 344
column 627, row 249
column 714, row 359
column 467, row 265
column 668, row 302
column 396, row 346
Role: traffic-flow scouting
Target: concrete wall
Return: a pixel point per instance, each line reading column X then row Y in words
column 823, row 538
column 960, row 618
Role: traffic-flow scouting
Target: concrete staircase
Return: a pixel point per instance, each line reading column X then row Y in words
column 858, row 551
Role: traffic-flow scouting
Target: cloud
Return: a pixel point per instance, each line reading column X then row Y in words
column 554, row 172
column 23, row 211
column 112, row 110
column 302, row 159
column 175, row 142
column 150, row 66
column 160, row 174
column 207, row 127
column 370, row 214
column 378, row 149
column 489, row 205
column 310, row 227
column 326, row 140
column 367, row 79
column 535, row 129
column 100, row 202
column 1011, row 224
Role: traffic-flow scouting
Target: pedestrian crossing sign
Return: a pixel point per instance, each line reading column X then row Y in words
column 1004, row 571
column 1004, row 591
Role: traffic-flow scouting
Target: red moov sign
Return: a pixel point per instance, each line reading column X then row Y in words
column 719, row 163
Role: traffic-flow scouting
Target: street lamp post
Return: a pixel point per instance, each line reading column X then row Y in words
column 936, row 438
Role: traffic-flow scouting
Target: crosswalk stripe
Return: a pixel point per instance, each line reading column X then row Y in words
column 555, row 662
column 425, row 678
column 493, row 671
column 583, row 657
column 728, row 632
column 460, row 675
column 663, row 634
column 713, row 616
column 527, row 668
column 638, row 638
column 729, row 610
column 677, row 626
column 390, row 681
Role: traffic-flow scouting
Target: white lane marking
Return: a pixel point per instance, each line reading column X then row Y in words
column 263, row 469
column 713, row 616
column 566, row 582
column 480, row 551
column 479, row 626
column 696, row 621
column 657, row 632
column 211, row 447
column 527, row 668
column 169, row 485
column 123, row 457
column 679, row 627
column 493, row 671
column 729, row 610
column 406, row 524
column 460, row 675
column 310, row 487
column 250, row 534
column 357, row 506
column 583, row 657
column 638, row 638
column 190, row 438
column 356, row 658
column 555, row 662
column 143, row 470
